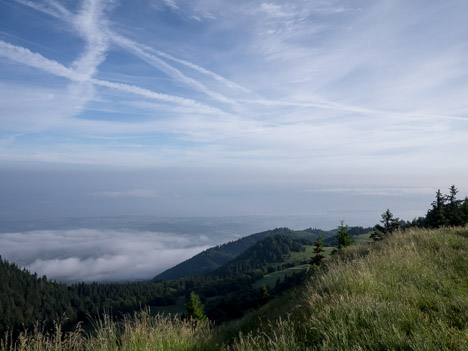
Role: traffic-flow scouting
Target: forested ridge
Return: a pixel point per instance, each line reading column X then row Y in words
column 261, row 256
column 215, row 257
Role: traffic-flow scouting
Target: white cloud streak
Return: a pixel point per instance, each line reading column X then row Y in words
column 25, row 56
column 202, row 70
column 91, row 25
column 172, row 4
column 52, row 8
column 142, row 51
column 153, row 95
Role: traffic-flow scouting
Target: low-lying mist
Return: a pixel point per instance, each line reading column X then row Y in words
column 98, row 254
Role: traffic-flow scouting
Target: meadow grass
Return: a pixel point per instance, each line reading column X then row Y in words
column 409, row 292
column 270, row 279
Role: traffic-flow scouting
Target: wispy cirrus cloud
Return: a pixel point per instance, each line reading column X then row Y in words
column 144, row 53
column 88, row 24
column 51, row 8
column 91, row 24
column 25, row 56
column 171, row 4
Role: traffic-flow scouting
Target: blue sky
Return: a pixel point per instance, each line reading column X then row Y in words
column 359, row 97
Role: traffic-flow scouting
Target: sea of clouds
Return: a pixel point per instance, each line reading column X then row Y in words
column 98, row 254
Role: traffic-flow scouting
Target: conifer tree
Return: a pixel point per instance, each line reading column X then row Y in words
column 389, row 225
column 464, row 211
column 317, row 259
column 436, row 215
column 454, row 214
column 195, row 308
column 344, row 238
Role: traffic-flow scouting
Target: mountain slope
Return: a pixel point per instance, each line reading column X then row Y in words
column 25, row 298
column 215, row 257
column 261, row 256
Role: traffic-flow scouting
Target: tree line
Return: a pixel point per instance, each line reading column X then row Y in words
column 445, row 211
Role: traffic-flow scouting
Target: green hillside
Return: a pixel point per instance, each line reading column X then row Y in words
column 408, row 292
column 215, row 257
column 262, row 256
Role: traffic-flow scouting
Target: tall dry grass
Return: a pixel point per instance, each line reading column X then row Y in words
column 141, row 332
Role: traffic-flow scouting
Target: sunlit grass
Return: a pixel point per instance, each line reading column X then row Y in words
column 406, row 293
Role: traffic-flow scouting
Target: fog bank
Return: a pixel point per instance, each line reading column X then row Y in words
column 99, row 255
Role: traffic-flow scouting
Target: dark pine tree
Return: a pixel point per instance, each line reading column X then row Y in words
column 464, row 211
column 436, row 216
column 389, row 225
column 454, row 213
column 195, row 308
column 317, row 259
column 344, row 238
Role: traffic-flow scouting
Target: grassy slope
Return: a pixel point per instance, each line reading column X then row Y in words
column 406, row 293
column 295, row 257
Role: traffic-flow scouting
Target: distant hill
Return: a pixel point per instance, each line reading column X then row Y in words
column 215, row 257
column 261, row 255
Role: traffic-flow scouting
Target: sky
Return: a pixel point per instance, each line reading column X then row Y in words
column 337, row 109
